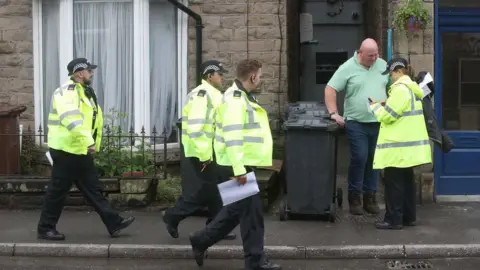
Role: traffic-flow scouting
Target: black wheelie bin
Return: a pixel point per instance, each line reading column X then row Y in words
column 310, row 168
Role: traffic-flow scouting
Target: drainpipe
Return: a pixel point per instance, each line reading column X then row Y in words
column 198, row 34
column 389, row 44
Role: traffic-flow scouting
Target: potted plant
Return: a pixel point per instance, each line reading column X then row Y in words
column 412, row 16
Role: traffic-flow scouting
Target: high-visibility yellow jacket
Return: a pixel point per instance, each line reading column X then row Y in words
column 70, row 121
column 242, row 135
column 403, row 140
column 198, row 121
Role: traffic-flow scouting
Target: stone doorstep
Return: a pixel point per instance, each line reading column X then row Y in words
column 268, row 184
column 426, row 184
column 122, row 200
column 134, row 186
column 39, row 185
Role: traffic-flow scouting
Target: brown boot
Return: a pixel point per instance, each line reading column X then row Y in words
column 370, row 203
column 355, row 203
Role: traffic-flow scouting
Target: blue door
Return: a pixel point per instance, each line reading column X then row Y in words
column 457, row 101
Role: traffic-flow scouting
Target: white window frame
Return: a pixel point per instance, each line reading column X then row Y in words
column 141, row 53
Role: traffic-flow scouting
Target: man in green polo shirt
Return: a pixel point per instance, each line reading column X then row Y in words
column 361, row 78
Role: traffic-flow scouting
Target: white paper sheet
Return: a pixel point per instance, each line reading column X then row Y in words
column 49, row 157
column 423, row 84
column 231, row 191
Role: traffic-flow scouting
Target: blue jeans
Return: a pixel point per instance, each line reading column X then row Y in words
column 362, row 138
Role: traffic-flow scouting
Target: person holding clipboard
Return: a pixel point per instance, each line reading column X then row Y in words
column 243, row 140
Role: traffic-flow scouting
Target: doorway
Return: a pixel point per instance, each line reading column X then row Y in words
column 457, row 103
column 338, row 29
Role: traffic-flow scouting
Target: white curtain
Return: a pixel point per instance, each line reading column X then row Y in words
column 103, row 33
column 50, row 43
column 163, row 66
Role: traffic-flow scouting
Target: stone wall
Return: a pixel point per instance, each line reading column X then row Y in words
column 239, row 29
column 417, row 47
column 16, row 59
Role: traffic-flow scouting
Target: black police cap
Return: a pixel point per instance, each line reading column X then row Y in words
column 79, row 64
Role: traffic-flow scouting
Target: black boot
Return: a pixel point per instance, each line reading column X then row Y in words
column 267, row 265
column 126, row 222
column 387, row 226
column 198, row 251
column 355, row 203
column 52, row 235
column 171, row 229
column 370, row 203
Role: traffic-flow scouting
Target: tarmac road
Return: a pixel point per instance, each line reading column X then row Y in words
column 19, row 263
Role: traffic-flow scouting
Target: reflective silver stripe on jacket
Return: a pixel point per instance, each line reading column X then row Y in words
column 237, row 127
column 412, row 111
column 199, row 121
column 70, row 126
column 251, row 124
column 66, row 114
column 247, row 139
column 199, row 134
column 402, row 144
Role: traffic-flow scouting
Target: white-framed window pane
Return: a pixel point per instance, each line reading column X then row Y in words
column 50, row 55
column 163, row 67
column 103, row 33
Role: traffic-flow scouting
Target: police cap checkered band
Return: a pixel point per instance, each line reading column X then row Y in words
column 213, row 66
column 79, row 66
column 395, row 64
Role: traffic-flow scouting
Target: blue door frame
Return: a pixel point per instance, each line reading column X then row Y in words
column 460, row 182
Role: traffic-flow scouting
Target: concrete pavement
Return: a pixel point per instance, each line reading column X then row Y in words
column 442, row 231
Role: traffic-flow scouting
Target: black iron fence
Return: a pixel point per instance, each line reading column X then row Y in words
column 123, row 153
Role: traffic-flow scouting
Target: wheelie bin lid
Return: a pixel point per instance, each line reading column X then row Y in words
column 309, row 114
column 318, row 123
column 304, row 106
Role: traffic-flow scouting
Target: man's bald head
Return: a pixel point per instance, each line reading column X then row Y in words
column 368, row 52
column 369, row 44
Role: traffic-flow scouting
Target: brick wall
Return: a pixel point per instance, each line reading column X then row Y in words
column 417, row 47
column 239, row 29
column 16, row 60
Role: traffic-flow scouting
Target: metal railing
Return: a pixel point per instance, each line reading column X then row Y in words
column 123, row 154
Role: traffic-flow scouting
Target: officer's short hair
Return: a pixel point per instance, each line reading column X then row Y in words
column 247, row 67
column 205, row 76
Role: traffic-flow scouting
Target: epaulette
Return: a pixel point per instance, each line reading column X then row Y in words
column 237, row 94
column 71, row 86
column 201, row 93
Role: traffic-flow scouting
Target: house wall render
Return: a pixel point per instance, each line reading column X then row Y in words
column 240, row 29
column 16, row 59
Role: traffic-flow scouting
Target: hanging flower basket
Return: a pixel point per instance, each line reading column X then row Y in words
column 414, row 25
column 412, row 16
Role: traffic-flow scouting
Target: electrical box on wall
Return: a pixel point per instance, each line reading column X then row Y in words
column 306, row 27
column 337, row 31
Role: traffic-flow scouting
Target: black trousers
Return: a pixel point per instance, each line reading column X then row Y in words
column 400, row 195
column 249, row 214
column 206, row 195
column 79, row 169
